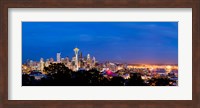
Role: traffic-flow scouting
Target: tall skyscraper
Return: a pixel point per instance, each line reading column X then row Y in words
column 58, row 57
column 47, row 63
column 88, row 57
column 76, row 56
column 93, row 61
column 41, row 64
column 81, row 55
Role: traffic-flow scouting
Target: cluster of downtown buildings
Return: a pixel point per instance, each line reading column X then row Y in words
column 78, row 62
column 108, row 69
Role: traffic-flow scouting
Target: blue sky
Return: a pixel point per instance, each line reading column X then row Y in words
column 125, row 42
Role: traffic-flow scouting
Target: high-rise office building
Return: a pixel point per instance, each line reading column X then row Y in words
column 41, row 64
column 47, row 63
column 93, row 61
column 76, row 60
column 88, row 57
column 58, row 57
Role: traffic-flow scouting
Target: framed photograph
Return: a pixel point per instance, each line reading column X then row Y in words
column 99, row 54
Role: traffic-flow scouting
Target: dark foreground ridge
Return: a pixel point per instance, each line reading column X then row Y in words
column 60, row 75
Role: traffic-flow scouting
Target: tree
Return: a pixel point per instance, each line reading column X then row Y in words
column 58, row 74
column 135, row 80
column 117, row 81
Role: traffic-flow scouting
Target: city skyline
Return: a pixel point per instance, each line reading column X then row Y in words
column 126, row 42
column 55, row 59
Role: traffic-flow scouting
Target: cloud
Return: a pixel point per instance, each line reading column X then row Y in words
column 85, row 38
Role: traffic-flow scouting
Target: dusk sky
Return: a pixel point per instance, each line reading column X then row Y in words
column 124, row 42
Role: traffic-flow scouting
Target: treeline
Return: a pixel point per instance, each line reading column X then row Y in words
column 60, row 75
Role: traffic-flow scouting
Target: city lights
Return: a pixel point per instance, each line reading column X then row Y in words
column 100, row 53
column 78, row 63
